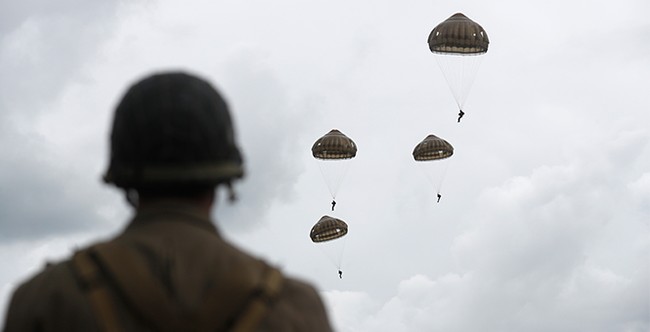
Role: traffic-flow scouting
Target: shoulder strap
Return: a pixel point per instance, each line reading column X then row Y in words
column 144, row 293
column 237, row 307
column 259, row 304
column 98, row 293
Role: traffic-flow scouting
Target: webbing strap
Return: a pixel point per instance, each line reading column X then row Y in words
column 259, row 305
column 142, row 291
column 97, row 291
column 237, row 307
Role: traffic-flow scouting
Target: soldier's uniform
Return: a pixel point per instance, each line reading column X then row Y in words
column 170, row 270
column 188, row 259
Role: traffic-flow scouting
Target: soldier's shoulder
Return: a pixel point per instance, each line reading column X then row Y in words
column 50, row 278
column 50, row 295
column 299, row 307
column 300, row 289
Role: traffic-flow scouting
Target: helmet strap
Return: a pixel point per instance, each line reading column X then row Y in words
column 232, row 195
column 132, row 197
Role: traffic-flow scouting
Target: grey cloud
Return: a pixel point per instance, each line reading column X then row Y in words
column 544, row 253
column 271, row 126
column 15, row 13
column 545, row 203
column 44, row 46
column 41, row 194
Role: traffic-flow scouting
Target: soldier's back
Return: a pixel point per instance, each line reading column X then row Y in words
column 169, row 265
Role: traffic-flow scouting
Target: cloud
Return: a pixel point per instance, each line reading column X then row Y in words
column 591, row 298
column 46, row 149
column 42, row 192
column 44, row 47
column 14, row 14
column 347, row 307
column 43, row 53
column 544, row 219
column 272, row 127
column 544, row 253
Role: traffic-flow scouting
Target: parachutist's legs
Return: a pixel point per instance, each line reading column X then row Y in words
column 439, row 197
column 333, row 204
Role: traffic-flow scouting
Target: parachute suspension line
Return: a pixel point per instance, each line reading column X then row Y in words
column 427, row 174
column 333, row 172
column 446, row 64
column 470, row 69
column 459, row 72
column 444, row 174
column 463, row 84
column 329, row 187
column 332, row 260
column 336, row 261
column 335, row 252
column 340, row 258
column 431, row 172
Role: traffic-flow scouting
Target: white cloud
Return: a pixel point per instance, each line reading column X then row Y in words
column 541, row 255
column 543, row 224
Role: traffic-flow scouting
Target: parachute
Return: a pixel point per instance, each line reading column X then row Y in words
column 334, row 150
column 433, row 148
column 327, row 229
column 327, row 233
column 458, row 35
column 334, row 146
column 458, row 44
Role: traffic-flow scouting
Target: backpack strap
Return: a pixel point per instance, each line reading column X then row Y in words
column 238, row 307
column 134, row 282
column 257, row 307
column 94, row 284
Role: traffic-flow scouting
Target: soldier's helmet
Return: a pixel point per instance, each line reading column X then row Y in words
column 172, row 129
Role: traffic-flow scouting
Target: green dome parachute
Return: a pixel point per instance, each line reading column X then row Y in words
column 432, row 148
column 433, row 151
column 334, row 146
column 333, row 151
column 458, row 44
column 458, row 35
column 327, row 229
column 329, row 235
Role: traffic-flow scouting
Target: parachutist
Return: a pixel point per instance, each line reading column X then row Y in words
column 439, row 197
column 333, row 204
column 334, row 149
column 460, row 115
column 459, row 35
column 340, row 274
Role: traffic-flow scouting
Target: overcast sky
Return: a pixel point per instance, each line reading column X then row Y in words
column 544, row 224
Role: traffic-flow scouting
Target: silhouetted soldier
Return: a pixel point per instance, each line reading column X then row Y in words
column 333, row 204
column 460, row 115
column 340, row 274
column 439, row 197
column 172, row 144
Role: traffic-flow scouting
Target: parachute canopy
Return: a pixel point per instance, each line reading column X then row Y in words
column 458, row 35
column 328, row 228
column 334, row 145
column 432, row 148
